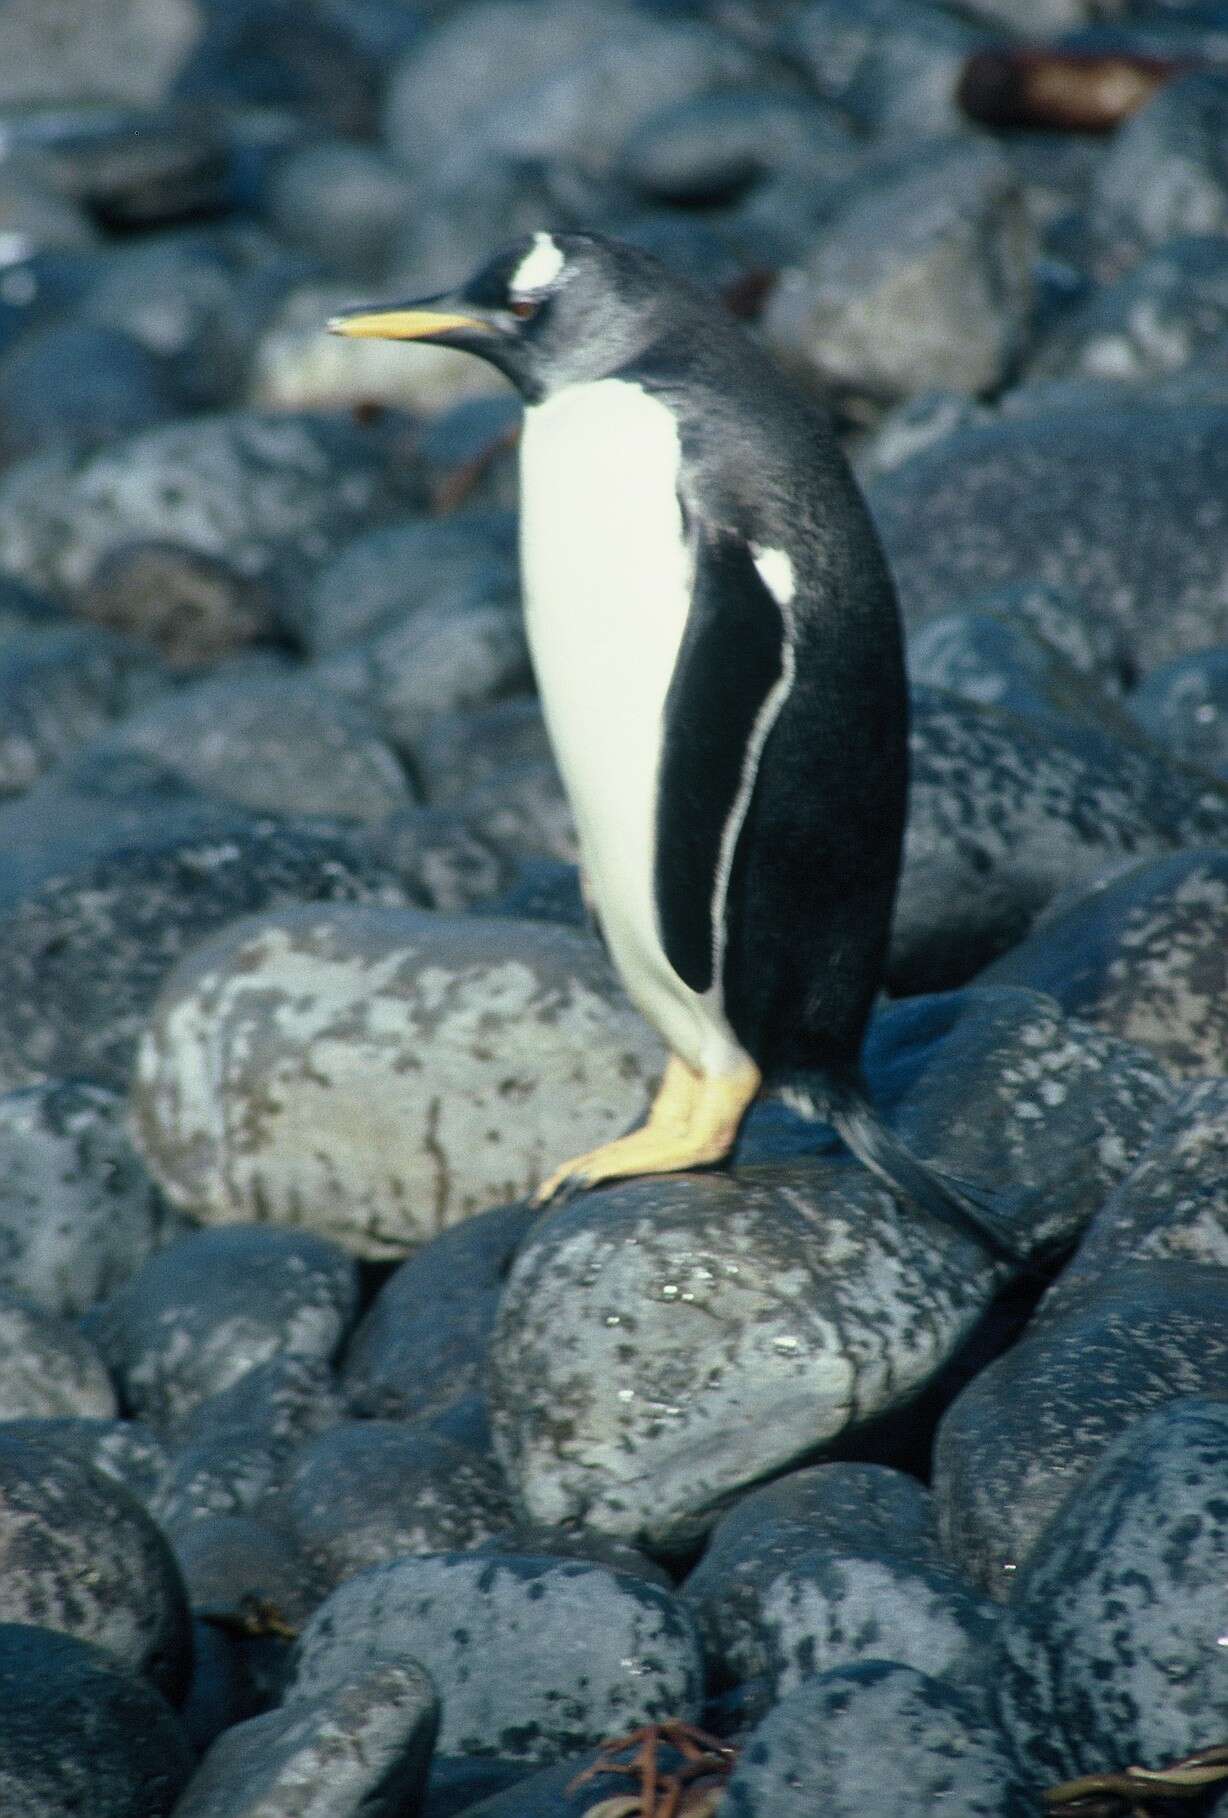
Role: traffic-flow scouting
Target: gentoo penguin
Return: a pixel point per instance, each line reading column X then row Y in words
column 718, row 649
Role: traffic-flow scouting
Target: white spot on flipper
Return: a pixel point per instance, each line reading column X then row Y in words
column 539, row 269
column 775, row 570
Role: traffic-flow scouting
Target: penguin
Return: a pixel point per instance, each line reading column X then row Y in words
column 718, row 648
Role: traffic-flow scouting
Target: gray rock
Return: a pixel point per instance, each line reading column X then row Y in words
column 59, row 686
column 198, row 1317
column 370, row 1491
column 914, row 425
column 86, row 954
column 1168, row 312
column 441, row 861
column 194, row 608
column 548, row 1655
column 893, row 65
column 711, row 147
column 1111, row 1649
column 461, row 751
column 423, row 1340
column 544, row 890
column 920, row 277
column 122, row 50
column 271, row 495
column 1032, row 18
column 34, row 220
column 382, row 1074
column 78, row 1212
column 82, row 1556
column 123, row 1450
column 1166, row 172
column 1005, row 812
column 79, row 1732
column 1037, row 1421
column 1141, row 955
column 130, row 166
column 523, row 812
column 240, row 1572
column 47, row 1368
column 77, row 386
column 876, row 1741
column 382, row 577
column 1184, row 706
column 1086, row 638
column 663, row 1344
column 357, row 1749
column 339, row 201
column 829, row 1610
column 849, row 1509
column 277, row 744
column 989, row 658
column 1125, row 507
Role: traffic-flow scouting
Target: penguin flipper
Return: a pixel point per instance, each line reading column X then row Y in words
column 732, row 656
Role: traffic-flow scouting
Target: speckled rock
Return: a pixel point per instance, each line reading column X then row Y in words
column 1085, row 637
column 78, row 1212
column 194, row 608
column 1005, row 812
column 80, row 1734
column 876, row 1741
column 988, row 658
column 86, row 954
column 276, row 744
column 57, row 688
column 1166, row 172
column 35, row 221
column 199, row 1316
column 442, row 863
column 460, row 751
column 230, row 1452
column 423, row 1340
column 47, row 1368
column 122, row 50
column 269, row 494
column 381, row 577
column 1184, row 706
column 379, row 1075
column 357, row 1749
column 1124, row 506
column 82, row 1556
column 124, row 1450
column 523, row 812
column 1037, row 1420
column 551, row 1655
column 920, row 276
column 1143, row 955
column 893, row 65
column 852, row 1509
column 1111, row 1649
column 662, row 1344
column 370, row 1491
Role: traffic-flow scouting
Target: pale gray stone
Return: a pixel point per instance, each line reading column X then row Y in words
column 48, row 1369
column 378, row 1076
column 116, row 50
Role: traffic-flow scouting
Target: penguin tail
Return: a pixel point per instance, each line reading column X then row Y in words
column 841, row 1100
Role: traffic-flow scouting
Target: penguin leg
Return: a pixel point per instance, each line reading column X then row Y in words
column 693, row 1122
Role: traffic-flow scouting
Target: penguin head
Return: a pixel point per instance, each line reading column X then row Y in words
column 552, row 309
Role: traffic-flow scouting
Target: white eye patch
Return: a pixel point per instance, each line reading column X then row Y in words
column 538, row 270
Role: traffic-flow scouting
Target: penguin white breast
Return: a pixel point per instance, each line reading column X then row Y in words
column 607, row 581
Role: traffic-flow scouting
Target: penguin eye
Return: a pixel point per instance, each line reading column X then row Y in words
column 524, row 307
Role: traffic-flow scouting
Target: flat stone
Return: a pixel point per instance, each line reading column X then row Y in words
column 81, row 1732
column 1123, row 506
column 532, row 1658
column 877, row 1740
column 357, row 1749
column 82, row 1556
column 87, row 953
column 198, row 1317
column 1141, row 956
column 380, row 1075
column 1110, row 1650
column 1037, row 1421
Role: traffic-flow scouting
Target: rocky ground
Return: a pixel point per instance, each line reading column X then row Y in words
column 332, row 1481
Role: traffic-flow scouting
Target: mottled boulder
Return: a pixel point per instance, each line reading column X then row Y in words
column 47, row 1367
column 1143, row 956
column 338, row 201
column 379, row 1075
column 82, row 1556
column 919, row 277
column 1037, row 1420
column 876, row 1741
column 1126, row 507
column 523, row 812
column 194, row 608
column 78, row 1211
column 549, row 1657
column 81, row 1734
column 1183, row 705
column 862, row 1510
column 126, row 1451
column 893, row 65
column 460, row 752
column 1111, row 1649
column 57, row 688
column 85, row 954
column 441, row 861
column 238, row 1566
column 996, row 661
column 1166, row 172
column 357, row 1749
column 1004, row 812
column 198, row 1317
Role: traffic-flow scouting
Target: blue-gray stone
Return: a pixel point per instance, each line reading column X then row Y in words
column 893, row 65
column 59, row 686
column 49, row 1369
column 79, row 386
column 1184, row 705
